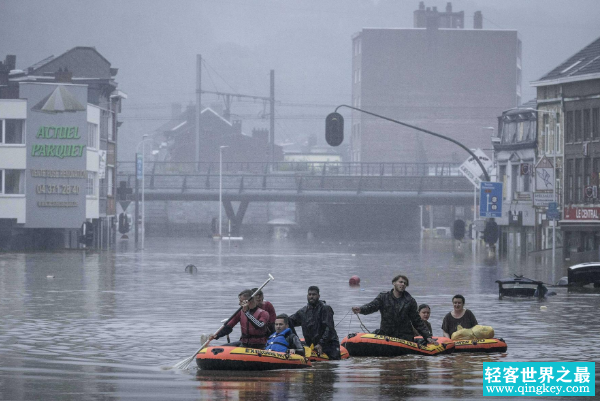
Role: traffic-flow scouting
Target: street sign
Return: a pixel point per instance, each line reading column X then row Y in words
column 471, row 169
column 552, row 213
column 490, row 200
column 138, row 166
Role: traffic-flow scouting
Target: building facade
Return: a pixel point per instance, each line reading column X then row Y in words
column 569, row 95
column 58, row 151
column 515, row 155
column 436, row 76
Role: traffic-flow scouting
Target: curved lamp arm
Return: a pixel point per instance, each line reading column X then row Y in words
column 485, row 173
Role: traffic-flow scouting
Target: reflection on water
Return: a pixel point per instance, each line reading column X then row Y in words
column 106, row 324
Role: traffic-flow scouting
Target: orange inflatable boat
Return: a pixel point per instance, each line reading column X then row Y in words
column 484, row 345
column 323, row 357
column 366, row 344
column 239, row 358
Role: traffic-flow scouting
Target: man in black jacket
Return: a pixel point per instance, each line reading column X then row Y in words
column 318, row 328
column 398, row 310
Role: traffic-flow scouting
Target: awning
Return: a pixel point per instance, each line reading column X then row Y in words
column 588, row 225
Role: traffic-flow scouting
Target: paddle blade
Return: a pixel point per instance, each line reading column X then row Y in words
column 184, row 364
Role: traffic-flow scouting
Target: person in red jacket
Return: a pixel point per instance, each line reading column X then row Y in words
column 267, row 307
column 253, row 322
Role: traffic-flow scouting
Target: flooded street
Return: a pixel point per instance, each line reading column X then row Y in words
column 107, row 325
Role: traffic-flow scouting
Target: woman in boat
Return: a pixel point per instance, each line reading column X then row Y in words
column 424, row 312
column 459, row 316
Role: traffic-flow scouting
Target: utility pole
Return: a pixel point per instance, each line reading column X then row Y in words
column 272, row 112
column 198, row 108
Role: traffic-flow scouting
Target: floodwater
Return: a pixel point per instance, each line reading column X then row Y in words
column 108, row 325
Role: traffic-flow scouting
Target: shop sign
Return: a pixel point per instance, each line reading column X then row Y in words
column 56, row 174
column 582, row 213
column 542, row 199
column 544, row 175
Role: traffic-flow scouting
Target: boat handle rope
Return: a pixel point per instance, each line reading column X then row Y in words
column 362, row 326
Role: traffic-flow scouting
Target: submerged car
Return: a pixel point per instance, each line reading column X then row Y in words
column 519, row 286
column 584, row 274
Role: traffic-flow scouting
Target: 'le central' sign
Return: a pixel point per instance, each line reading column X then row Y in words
column 582, row 213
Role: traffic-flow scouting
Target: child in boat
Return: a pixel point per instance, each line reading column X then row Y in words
column 284, row 339
column 424, row 312
column 459, row 316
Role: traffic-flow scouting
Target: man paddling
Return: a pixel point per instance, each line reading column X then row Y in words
column 267, row 307
column 284, row 339
column 253, row 322
column 398, row 310
column 316, row 319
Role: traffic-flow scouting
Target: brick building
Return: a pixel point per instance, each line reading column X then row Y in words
column 569, row 97
column 437, row 76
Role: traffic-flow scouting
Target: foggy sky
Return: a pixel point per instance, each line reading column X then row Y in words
column 307, row 42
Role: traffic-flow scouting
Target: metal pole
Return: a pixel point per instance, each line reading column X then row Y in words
column 554, row 196
column 198, row 108
column 220, row 187
column 474, row 233
column 143, row 191
column 272, row 126
column 137, row 202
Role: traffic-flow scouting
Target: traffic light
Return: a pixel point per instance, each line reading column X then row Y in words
column 334, row 129
column 490, row 233
column 459, row 229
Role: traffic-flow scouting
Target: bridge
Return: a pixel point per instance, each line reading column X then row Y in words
column 407, row 184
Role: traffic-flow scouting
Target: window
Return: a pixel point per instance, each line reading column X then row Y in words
column 12, row 182
column 587, row 173
column 109, row 180
column 514, row 179
column 92, row 136
column 578, row 181
column 526, row 187
column 570, row 181
column 578, row 131
column 558, row 134
column 502, row 178
column 570, row 134
column 595, row 122
column 587, row 132
column 11, row 131
column 91, row 184
column 546, row 134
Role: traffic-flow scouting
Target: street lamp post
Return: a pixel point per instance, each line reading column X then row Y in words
column 143, row 143
column 221, row 186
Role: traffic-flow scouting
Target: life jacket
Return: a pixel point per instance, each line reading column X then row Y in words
column 277, row 341
column 250, row 333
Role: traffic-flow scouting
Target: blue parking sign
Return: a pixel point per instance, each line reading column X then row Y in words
column 490, row 200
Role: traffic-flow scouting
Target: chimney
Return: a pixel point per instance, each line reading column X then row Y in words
column 448, row 7
column 64, row 76
column 478, row 20
column 10, row 62
column 419, row 17
column 175, row 110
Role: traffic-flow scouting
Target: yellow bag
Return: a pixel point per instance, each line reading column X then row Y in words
column 463, row 334
column 482, row 332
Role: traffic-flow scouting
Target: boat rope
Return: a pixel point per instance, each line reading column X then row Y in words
column 342, row 319
column 349, row 323
column 362, row 325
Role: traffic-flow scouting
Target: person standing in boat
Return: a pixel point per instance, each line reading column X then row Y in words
column 267, row 307
column 459, row 316
column 398, row 312
column 425, row 313
column 316, row 319
column 253, row 322
column 284, row 339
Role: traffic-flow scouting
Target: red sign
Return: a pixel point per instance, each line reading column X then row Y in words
column 582, row 213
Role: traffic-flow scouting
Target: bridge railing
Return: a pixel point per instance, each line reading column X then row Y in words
column 303, row 168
